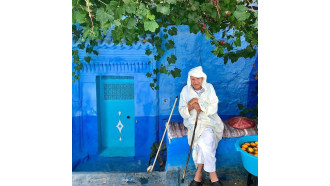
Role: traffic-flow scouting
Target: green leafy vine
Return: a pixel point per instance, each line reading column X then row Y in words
column 131, row 21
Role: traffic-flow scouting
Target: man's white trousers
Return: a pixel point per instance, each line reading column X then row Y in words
column 206, row 149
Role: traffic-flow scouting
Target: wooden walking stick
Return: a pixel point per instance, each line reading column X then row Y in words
column 191, row 144
column 151, row 167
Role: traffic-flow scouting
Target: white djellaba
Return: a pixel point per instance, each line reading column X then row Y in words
column 208, row 117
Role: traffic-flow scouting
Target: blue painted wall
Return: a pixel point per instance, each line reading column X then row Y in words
column 233, row 84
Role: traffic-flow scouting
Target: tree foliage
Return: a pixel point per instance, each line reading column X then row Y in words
column 132, row 20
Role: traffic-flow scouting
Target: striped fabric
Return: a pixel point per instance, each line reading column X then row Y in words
column 177, row 130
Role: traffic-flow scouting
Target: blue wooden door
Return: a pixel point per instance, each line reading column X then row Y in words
column 116, row 130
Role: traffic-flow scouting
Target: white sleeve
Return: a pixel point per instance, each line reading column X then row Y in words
column 210, row 106
column 183, row 106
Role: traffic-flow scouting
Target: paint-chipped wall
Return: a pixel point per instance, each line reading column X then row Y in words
column 233, row 84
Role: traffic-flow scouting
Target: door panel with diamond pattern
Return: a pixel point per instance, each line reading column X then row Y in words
column 116, row 130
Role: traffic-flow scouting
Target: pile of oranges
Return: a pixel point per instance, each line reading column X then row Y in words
column 250, row 147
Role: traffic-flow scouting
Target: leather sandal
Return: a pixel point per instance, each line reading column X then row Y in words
column 217, row 183
column 196, row 183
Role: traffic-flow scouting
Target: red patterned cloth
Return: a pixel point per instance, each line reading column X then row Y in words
column 241, row 122
column 231, row 132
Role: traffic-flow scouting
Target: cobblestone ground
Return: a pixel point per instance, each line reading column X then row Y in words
column 170, row 177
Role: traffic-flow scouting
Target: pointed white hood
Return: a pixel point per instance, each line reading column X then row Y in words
column 197, row 72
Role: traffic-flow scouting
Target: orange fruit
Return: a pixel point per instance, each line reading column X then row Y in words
column 244, row 149
column 253, row 144
column 248, row 144
column 250, row 149
column 256, row 142
column 256, row 155
column 244, row 146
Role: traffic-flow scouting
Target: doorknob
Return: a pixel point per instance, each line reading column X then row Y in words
column 128, row 117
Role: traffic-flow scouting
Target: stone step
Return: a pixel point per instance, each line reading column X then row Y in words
column 117, row 178
column 174, row 176
column 171, row 177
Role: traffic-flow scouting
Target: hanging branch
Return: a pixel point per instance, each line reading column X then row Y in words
column 216, row 4
column 90, row 14
column 102, row 2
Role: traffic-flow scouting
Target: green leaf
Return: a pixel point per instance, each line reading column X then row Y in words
column 171, row 1
column 172, row 59
column 74, row 52
column 142, row 11
column 150, row 25
column 242, row 8
column 89, row 50
column 219, row 51
column 117, row 22
column 241, row 14
column 148, row 74
column 119, row 12
column 150, row 16
column 130, row 8
column 237, row 42
column 76, row 61
column 207, row 35
column 160, row 51
column 117, row 34
column 238, row 34
column 194, row 28
column 155, row 71
column 131, row 23
column 158, row 41
column 176, row 72
column 225, row 59
column 75, row 38
column 240, row 106
column 127, row 2
column 81, row 46
column 95, row 52
column 148, row 52
column 87, row 59
column 79, row 16
column 162, row 69
column 194, row 5
column 169, row 44
column 157, row 57
column 165, row 36
column 173, row 31
column 193, row 17
column 164, row 9
column 102, row 16
column 76, row 58
column 105, row 28
column 93, row 43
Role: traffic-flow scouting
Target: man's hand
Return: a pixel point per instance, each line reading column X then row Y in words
column 192, row 101
column 197, row 107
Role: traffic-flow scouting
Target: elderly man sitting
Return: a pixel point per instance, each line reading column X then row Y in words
column 199, row 97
